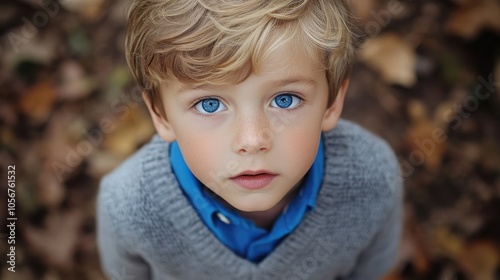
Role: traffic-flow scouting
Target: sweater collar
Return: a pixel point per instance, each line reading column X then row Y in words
column 170, row 210
column 250, row 237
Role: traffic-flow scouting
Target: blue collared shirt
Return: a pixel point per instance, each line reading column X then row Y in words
column 236, row 232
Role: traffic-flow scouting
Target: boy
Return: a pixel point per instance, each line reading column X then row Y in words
column 251, row 174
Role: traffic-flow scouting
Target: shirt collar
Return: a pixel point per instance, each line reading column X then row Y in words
column 206, row 205
column 306, row 198
column 194, row 190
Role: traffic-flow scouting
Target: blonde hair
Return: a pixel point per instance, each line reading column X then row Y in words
column 220, row 41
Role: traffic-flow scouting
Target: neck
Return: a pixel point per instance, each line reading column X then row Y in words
column 265, row 219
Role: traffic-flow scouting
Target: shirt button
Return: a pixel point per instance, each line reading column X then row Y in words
column 223, row 218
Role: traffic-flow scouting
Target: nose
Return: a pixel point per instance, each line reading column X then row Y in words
column 253, row 135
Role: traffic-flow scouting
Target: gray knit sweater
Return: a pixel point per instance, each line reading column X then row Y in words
column 147, row 228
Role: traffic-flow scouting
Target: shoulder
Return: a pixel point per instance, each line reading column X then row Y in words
column 123, row 192
column 363, row 169
column 361, row 195
column 362, row 152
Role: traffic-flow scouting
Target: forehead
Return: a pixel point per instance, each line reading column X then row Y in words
column 286, row 64
column 290, row 59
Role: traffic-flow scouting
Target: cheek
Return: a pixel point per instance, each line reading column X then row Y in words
column 306, row 145
column 198, row 150
column 203, row 154
column 198, row 143
column 299, row 149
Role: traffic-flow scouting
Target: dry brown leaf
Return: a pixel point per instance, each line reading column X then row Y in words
column 55, row 139
column 41, row 49
column 361, row 8
column 393, row 57
column 7, row 138
column 419, row 137
column 413, row 248
column 134, row 128
column 89, row 9
column 480, row 260
column 22, row 273
column 74, row 84
column 38, row 100
column 50, row 190
column 469, row 20
column 55, row 244
column 8, row 113
column 448, row 243
column 101, row 163
column 427, row 133
column 60, row 148
column 425, row 137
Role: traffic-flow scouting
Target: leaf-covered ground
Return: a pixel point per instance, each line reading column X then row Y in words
column 427, row 81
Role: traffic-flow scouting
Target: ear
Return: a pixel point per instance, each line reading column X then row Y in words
column 163, row 127
column 332, row 113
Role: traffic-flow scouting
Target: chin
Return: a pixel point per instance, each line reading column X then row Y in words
column 253, row 205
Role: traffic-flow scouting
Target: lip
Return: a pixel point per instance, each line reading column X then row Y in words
column 253, row 180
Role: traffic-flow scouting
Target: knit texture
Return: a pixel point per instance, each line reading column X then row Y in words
column 147, row 229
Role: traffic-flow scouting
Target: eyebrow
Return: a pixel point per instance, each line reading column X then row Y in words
column 277, row 83
column 295, row 80
column 187, row 88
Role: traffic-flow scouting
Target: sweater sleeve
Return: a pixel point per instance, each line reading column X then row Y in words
column 379, row 257
column 116, row 262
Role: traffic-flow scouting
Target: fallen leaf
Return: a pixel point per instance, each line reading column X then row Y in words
column 59, row 147
column 8, row 113
column 88, row 9
column 421, row 137
column 448, row 243
column 413, row 245
column 120, row 77
column 101, row 163
column 73, row 81
column 448, row 273
column 490, row 160
column 50, row 190
column 480, row 260
column 361, row 9
column 41, row 49
column 7, row 139
column 38, row 100
column 22, row 273
column 469, row 20
column 393, row 57
column 134, row 128
column 55, row 243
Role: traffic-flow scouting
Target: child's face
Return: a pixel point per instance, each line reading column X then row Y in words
column 270, row 124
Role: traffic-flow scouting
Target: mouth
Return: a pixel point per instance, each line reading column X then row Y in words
column 253, row 180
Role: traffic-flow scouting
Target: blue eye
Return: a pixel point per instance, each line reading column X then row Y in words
column 209, row 106
column 285, row 101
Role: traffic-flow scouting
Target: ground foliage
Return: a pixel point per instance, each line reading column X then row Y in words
column 427, row 81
